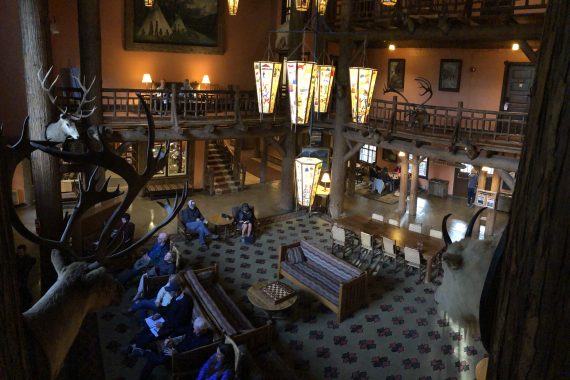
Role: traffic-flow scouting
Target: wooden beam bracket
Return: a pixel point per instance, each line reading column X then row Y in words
column 355, row 148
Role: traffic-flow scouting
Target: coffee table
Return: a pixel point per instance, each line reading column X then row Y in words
column 221, row 225
column 258, row 299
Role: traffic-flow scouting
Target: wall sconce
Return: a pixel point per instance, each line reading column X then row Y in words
column 146, row 79
column 392, row 47
column 515, row 46
column 401, row 154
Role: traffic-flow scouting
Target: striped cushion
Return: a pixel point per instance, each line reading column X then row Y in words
column 209, row 304
column 295, row 255
column 336, row 267
column 315, row 280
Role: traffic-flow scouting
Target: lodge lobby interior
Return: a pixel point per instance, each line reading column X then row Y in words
column 372, row 134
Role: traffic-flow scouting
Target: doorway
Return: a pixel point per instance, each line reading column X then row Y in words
column 517, row 84
column 462, row 178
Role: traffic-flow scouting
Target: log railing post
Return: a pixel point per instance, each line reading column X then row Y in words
column 402, row 201
column 414, row 185
column 481, row 184
column 237, row 108
column 174, row 108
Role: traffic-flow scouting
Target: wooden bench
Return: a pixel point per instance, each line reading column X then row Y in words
column 338, row 285
column 156, row 190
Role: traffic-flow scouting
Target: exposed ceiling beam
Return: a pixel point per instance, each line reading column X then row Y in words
column 527, row 50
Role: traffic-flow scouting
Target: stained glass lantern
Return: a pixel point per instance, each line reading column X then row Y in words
column 302, row 5
column 233, row 7
column 267, row 76
column 307, row 174
column 388, row 3
column 300, row 84
column 148, row 3
column 322, row 7
column 323, row 87
column 362, row 81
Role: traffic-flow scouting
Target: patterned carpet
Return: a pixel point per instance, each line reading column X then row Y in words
column 400, row 336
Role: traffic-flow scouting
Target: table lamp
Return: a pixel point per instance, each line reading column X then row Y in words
column 326, row 179
column 205, row 82
column 146, row 79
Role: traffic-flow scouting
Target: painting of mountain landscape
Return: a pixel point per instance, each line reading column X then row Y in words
column 173, row 25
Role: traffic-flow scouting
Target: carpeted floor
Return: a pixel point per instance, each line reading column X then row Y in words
column 401, row 335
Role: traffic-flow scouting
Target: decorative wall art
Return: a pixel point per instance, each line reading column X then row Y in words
column 396, row 73
column 389, row 155
column 450, row 75
column 184, row 26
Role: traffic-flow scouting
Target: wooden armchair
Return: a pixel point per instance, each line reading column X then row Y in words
column 181, row 228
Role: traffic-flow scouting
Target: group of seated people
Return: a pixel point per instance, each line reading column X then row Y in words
column 381, row 180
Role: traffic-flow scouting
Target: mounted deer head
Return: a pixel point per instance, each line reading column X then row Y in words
column 418, row 113
column 65, row 127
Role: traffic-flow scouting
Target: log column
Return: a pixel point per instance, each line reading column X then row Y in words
column 402, row 202
column 492, row 214
column 287, row 173
column 338, row 172
column 481, row 184
column 263, row 161
column 45, row 168
column 351, row 181
column 414, row 185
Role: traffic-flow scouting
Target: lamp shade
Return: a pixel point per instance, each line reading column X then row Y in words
column 326, row 178
column 148, row 3
column 267, row 82
column 300, row 84
column 322, row 7
column 206, row 79
column 323, row 87
column 388, row 3
column 302, row 5
column 401, row 154
column 146, row 78
column 233, row 7
column 307, row 173
column 362, row 81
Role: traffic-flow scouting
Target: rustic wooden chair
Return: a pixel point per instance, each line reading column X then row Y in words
column 414, row 260
column 415, row 227
column 378, row 217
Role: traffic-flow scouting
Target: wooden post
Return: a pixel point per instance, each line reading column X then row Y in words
column 338, row 172
column 237, row 107
column 531, row 335
column 351, row 182
column 402, row 202
column 174, row 108
column 492, row 214
column 287, row 173
column 45, row 168
column 481, row 184
column 263, row 162
column 414, row 185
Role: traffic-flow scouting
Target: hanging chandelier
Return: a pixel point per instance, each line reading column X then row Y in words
column 300, row 83
column 322, row 7
column 307, row 173
column 233, row 7
column 267, row 76
column 302, row 5
column 148, row 3
column 388, row 3
column 323, row 87
column 362, row 81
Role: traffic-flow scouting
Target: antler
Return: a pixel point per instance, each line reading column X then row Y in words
column 426, row 86
column 48, row 89
column 78, row 114
column 392, row 89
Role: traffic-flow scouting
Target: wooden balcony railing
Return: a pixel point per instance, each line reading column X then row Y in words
column 374, row 11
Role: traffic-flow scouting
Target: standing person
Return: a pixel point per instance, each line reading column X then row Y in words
column 472, row 187
column 220, row 366
column 24, row 264
column 195, row 221
column 245, row 219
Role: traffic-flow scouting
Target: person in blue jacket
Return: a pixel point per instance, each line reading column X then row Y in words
column 220, row 366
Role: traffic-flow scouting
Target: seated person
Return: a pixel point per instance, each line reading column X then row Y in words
column 372, row 173
column 149, row 259
column 176, row 315
column 167, row 266
column 245, row 220
column 194, row 221
column 199, row 334
column 156, row 304
column 385, row 176
column 126, row 231
column 220, row 366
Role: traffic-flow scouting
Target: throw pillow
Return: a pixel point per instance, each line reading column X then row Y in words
column 295, row 255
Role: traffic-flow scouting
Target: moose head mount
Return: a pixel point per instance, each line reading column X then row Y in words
column 418, row 114
column 65, row 127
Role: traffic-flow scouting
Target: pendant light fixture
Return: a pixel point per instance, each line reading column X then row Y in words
column 233, row 7
column 389, row 3
column 307, row 173
column 322, row 7
column 362, row 81
column 148, row 3
column 301, row 77
column 323, row 87
column 302, row 5
column 267, row 76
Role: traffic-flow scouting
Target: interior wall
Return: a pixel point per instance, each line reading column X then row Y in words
column 481, row 75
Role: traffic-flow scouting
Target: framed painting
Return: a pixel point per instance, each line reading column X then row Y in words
column 396, row 73
column 450, row 75
column 389, row 155
column 183, row 26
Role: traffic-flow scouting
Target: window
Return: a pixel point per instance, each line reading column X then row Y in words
column 368, row 154
column 424, row 166
column 176, row 164
column 468, row 167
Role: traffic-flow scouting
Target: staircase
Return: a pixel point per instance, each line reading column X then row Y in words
column 220, row 171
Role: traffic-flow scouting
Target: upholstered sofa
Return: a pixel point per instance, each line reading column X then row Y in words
column 338, row 285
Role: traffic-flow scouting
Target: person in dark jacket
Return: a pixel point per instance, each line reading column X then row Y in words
column 166, row 267
column 220, row 366
column 126, row 231
column 472, row 187
column 195, row 221
column 149, row 259
column 198, row 335
column 245, row 219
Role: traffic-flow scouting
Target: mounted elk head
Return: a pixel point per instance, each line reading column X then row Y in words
column 418, row 113
column 54, row 321
column 65, row 127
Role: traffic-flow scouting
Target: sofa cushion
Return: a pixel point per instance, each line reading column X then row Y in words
column 330, row 263
column 209, row 304
column 295, row 255
column 314, row 279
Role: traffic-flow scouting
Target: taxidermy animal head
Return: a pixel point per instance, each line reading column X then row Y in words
column 465, row 265
column 55, row 319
